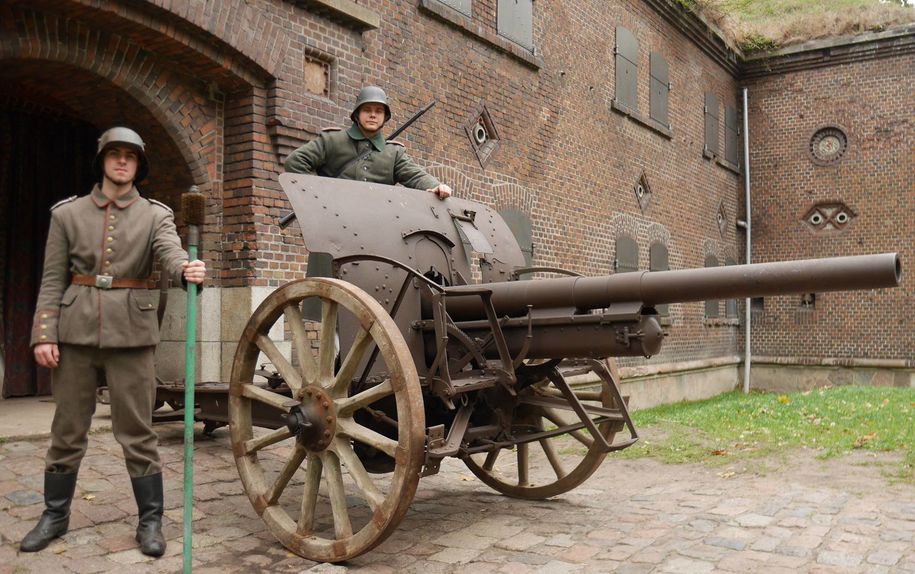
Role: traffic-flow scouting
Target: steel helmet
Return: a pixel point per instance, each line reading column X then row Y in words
column 121, row 136
column 371, row 94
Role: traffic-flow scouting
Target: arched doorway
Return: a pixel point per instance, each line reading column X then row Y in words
column 51, row 114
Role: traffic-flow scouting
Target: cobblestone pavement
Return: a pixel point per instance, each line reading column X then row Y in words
column 796, row 515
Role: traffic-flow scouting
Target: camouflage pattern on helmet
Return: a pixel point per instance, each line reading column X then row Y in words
column 121, row 136
column 371, row 94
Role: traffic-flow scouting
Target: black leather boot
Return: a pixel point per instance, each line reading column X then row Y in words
column 54, row 521
column 151, row 504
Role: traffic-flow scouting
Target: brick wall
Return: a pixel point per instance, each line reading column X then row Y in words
column 224, row 90
column 872, row 101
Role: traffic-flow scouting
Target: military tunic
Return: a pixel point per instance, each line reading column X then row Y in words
column 112, row 330
column 385, row 162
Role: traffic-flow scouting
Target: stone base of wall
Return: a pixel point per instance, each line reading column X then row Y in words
column 687, row 385
column 221, row 317
column 786, row 378
column 652, row 385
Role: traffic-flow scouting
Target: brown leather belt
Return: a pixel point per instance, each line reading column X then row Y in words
column 109, row 282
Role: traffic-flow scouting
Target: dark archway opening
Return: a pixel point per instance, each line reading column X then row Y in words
column 51, row 115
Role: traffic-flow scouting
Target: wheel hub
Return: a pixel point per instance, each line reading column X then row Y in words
column 313, row 422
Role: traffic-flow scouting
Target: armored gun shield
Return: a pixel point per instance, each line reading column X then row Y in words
column 382, row 238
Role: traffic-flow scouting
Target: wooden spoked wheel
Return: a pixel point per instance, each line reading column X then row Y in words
column 305, row 479
column 550, row 466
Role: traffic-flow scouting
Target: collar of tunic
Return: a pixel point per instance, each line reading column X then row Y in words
column 101, row 201
column 356, row 134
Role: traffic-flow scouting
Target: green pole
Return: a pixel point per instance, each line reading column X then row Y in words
column 189, row 382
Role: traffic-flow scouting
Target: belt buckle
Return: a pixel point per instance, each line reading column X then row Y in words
column 104, row 281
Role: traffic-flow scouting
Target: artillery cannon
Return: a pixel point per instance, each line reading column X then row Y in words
column 424, row 343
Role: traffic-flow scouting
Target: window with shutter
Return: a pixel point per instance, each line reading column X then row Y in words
column 711, row 125
column 627, row 255
column 626, row 73
column 712, row 308
column 660, row 90
column 731, row 132
column 730, row 306
column 520, row 225
column 463, row 6
column 515, row 21
column 658, row 261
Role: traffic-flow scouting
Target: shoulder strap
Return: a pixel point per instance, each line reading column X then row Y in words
column 160, row 204
column 62, row 202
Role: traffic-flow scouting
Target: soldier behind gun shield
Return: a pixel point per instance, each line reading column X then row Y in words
column 361, row 152
column 95, row 313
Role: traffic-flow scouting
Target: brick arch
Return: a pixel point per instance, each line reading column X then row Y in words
column 31, row 42
column 65, row 90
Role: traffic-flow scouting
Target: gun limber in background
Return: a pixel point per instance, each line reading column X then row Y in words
column 289, row 217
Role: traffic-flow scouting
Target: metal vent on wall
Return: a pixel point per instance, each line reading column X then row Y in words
column 482, row 133
column 828, row 144
column 643, row 192
column 829, row 216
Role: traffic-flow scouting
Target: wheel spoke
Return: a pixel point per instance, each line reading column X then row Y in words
column 327, row 351
column 490, row 461
column 282, row 364
column 272, row 437
column 334, row 476
column 275, row 400
column 523, row 464
column 361, row 345
column 292, row 465
column 300, row 342
column 367, row 436
column 364, row 483
column 348, row 405
column 551, row 456
column 310, row 494
column 578, row 435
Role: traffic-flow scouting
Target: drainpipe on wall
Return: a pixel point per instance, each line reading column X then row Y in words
column 749, row 228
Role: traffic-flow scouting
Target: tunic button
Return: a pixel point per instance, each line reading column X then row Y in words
column 110, row 238
column 365, row 167
column 108, row 250
column 44, row 315
column 43, row 338
column 111, row 217
column 43, row 326
column 110, row 228
column 108, row 263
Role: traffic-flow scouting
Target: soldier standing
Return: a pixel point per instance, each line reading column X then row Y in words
column 361, row 152
column 95, row 313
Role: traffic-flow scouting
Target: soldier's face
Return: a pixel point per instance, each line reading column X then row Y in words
column 371, row 118
column 121, row 164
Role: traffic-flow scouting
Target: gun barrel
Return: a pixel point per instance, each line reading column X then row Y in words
column 685, row 285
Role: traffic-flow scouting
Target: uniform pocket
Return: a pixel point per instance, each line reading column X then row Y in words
column 70, row 296
column 143, row 300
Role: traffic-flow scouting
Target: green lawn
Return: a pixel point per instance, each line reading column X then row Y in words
column 831, row 421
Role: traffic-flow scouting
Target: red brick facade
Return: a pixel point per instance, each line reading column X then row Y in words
column 872, row 101
column 222, row 91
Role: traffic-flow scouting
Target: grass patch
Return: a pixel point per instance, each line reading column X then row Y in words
column 764, row 25
column 832, row 421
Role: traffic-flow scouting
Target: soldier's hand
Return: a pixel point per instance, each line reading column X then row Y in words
column 47, row 355
column 194, row 271
column 442, row 191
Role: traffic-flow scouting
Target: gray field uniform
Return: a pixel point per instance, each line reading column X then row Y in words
column 99, row 328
